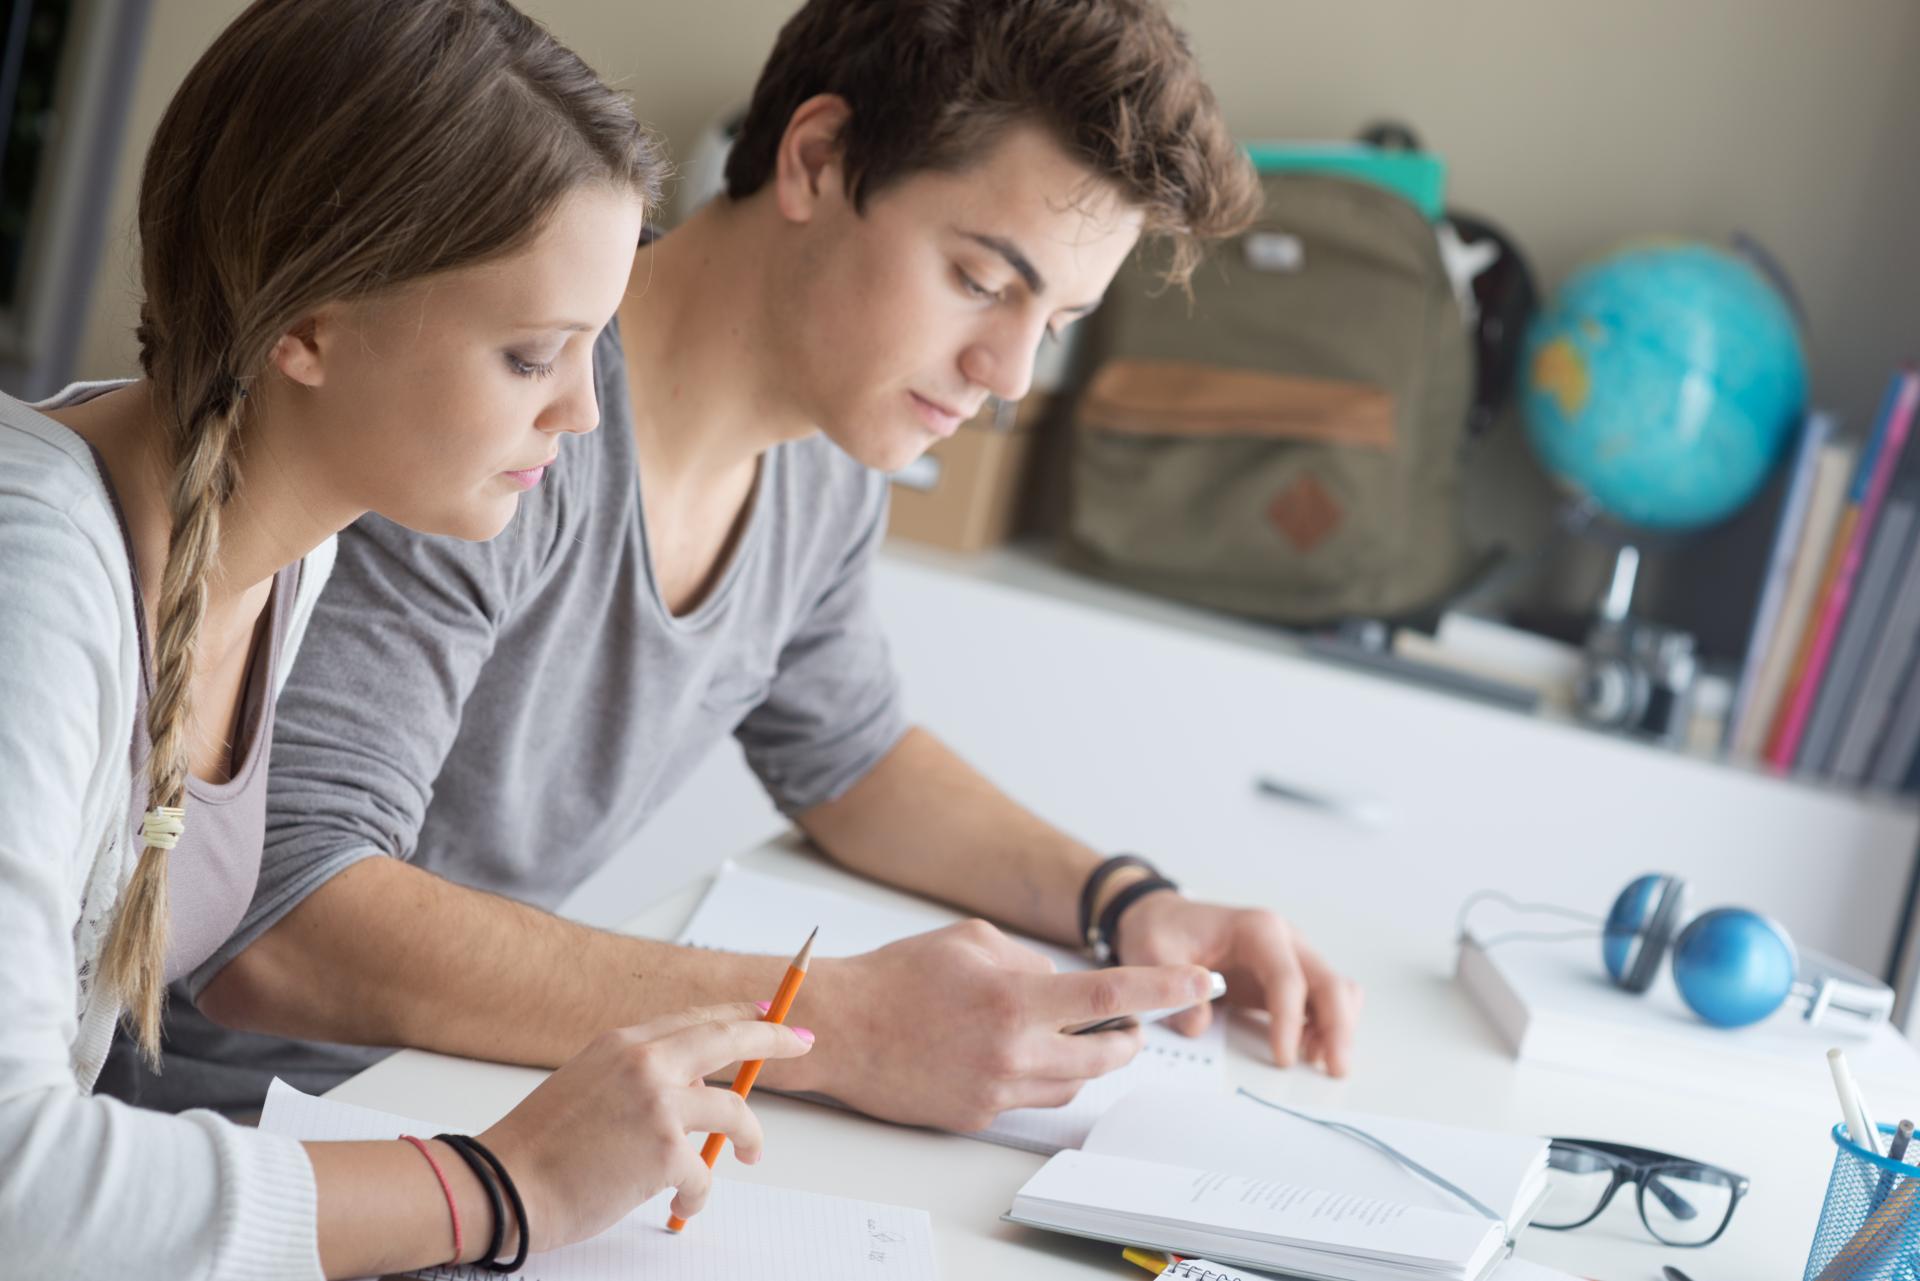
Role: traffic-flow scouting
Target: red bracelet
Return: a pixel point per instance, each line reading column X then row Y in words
column 445, row 1187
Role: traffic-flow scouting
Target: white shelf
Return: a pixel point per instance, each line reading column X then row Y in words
column 1032, row 567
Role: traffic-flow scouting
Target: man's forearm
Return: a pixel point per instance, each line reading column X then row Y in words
column 926, row 821
column 387, row 954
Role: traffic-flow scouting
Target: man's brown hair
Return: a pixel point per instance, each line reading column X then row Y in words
column 933, row 84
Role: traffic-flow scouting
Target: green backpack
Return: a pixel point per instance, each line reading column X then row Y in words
column 1289, row 443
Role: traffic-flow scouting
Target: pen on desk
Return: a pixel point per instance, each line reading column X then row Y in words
column 1217, row 988
column 1365, row 813
column 750, row 1070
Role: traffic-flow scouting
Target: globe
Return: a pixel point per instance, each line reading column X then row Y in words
column 1663, row 382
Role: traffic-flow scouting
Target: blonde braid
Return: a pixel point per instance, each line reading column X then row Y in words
column 134, row 962
column 269, row 190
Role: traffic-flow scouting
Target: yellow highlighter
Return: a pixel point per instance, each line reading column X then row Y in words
column 1180, row 1265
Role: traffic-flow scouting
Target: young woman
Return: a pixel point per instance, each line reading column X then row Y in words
column 378, row 238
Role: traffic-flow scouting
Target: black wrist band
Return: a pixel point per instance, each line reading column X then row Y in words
column 490, row 1172
column 1091, row 940
column 513, row 1195
column 1126, row 898
column 492, row 1190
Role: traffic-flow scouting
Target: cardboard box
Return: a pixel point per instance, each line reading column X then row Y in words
column 963, row 494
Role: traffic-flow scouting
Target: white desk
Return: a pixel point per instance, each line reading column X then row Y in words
column 1140, row 725
column 1424, row 1051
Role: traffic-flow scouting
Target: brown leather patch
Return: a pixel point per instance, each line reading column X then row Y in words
column 1305, row 512
column 1182, row 398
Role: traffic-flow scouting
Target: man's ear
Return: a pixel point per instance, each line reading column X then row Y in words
column 301, row 353
column 808, row 172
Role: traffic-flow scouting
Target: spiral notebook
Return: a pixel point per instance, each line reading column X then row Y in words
column 745, row 911
column 747, row 1229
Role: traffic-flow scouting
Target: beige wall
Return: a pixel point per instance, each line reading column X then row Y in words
column 1573, row 123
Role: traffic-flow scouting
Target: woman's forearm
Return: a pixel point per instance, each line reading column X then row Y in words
column 380, row 1208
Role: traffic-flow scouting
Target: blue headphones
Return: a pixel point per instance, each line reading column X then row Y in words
column 1732, row 966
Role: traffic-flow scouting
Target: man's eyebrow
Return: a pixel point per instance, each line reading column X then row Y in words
column 1018, row 261
column 569, row 326
column 1015, row 259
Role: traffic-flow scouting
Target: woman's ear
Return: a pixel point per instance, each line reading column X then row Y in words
column 808, row 170
column 301, row 354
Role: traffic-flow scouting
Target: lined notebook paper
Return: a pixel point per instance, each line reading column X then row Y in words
column 1507, row 1172
column 745, row 910
column 746, row 1230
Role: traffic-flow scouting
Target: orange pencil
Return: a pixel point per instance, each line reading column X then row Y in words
column 743, row 1083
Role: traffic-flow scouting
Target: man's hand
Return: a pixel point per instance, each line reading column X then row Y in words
column 1312, row 1010
column 953, row 1027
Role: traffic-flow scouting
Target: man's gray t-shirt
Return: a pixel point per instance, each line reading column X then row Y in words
column 508, row 714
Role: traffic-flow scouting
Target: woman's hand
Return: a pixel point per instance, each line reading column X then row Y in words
column 620, row 1121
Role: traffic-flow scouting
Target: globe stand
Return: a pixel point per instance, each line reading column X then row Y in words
column 1618, row 602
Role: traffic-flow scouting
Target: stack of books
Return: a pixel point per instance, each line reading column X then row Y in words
column 1830, row 687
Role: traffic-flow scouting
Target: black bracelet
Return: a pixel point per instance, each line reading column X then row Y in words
column 1091, row 941
column 513, row 1195
column 1126, row 898
column 485, row 1176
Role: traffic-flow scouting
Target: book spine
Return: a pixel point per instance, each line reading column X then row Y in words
column 1823, row 519
column 1892, row 660
column 1836, row 554
column 1786, row 540
column 1895, row 755
column 1859, row 631
column 1786, row 746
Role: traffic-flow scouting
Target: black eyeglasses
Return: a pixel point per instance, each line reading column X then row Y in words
column 1681, row 1202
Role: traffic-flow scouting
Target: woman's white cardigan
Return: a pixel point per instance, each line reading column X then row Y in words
column 90, row 1187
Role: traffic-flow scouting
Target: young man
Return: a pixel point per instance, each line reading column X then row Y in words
column 919, row 192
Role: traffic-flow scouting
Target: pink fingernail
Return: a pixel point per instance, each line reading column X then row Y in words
column 763, row 1006
column 804, row 1034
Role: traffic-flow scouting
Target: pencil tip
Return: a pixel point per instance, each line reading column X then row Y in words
column 806, row 952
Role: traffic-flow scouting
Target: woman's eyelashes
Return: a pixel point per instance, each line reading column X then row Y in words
column 529, row 368
column 974, row 289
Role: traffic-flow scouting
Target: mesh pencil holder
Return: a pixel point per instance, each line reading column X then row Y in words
column 1870, row 1223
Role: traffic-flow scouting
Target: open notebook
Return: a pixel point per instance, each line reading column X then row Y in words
column 747, row 911
column 747, row 1229
column 1224, row 1177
